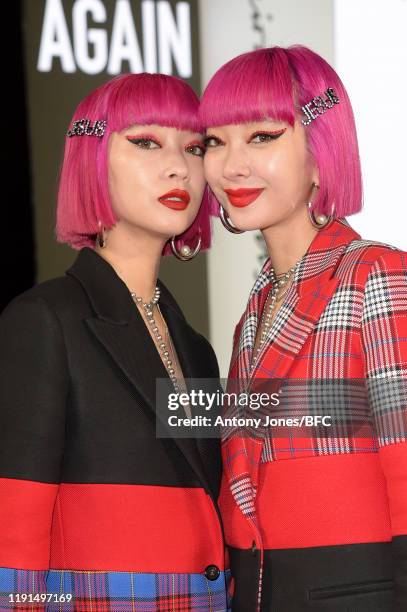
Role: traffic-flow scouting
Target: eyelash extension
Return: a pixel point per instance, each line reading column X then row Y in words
column 143, row 137
column 273, row 134
column 208, row 138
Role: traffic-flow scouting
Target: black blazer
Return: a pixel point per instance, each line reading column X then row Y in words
column 78, row 441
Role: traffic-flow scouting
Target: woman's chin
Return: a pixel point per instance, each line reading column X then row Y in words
column 253, row 222
column 250, row 224
column 174, row 229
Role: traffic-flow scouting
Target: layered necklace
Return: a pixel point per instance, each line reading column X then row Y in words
column 276, row 294
column 165, row 353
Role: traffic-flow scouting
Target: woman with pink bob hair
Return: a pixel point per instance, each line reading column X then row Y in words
column 314, row 497
column 100, row 508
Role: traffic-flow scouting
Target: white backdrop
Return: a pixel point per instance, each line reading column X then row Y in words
column 370, row 55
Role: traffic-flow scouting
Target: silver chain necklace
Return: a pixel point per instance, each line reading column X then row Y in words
column 279, row 282
column 166, row 358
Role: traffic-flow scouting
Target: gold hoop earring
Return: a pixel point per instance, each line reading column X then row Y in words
column 101, row 236
column 227, row 223
column 318, row 221
column 185, row 253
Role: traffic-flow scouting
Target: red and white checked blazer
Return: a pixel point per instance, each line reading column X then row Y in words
column 344, row 317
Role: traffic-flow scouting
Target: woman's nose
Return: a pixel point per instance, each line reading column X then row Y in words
column 177, row 167
column 235, row 166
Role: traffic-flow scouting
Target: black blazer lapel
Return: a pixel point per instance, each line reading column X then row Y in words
column 120, row 329
column 131, row 348
column 117, row 324
column 197, row 361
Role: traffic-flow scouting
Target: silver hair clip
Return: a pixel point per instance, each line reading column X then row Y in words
column 82, row 127
column 319, row 105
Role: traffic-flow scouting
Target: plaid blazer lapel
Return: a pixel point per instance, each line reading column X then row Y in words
column 239, row 451
column 279, row 352
column 313, row 286
column 245, row 333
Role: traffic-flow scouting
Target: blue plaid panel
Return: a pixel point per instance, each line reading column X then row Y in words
column 22, row 582
column 114, row 591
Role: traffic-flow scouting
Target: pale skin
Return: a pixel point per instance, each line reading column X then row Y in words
column 144, row 163
column 272, row 156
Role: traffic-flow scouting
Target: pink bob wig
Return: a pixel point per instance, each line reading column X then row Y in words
column 274, row 83
column 83, row 194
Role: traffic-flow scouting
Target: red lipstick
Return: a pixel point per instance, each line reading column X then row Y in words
column 177, row 199
column 242, row 197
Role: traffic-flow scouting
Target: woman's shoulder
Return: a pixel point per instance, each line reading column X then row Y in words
column 58, row 295
column 361, row 257
column 372, row 249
